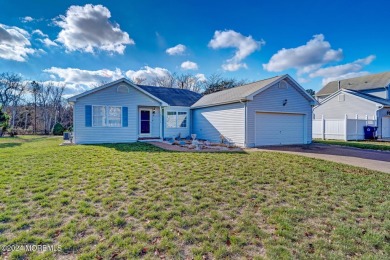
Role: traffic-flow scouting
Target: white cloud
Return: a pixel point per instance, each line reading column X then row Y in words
column 344, row 71
column 201, row 77
column 244, row 47
column 177, row 50
column 40, row 33
column 14, row 43
column 345, row 76
column 189, row 65
column 48, row 42
column 305, row 58
column 27, row 19
column 147, row 74
column 75, row 75
column 88, row 28
column 77, row 80
column 336, row 71
column 233, row 66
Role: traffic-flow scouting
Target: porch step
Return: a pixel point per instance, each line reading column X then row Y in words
column 149, row 139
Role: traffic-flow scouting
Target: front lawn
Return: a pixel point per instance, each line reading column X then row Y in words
column 372, row 145
column 128, row 201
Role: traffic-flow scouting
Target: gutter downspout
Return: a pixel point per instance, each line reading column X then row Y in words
column 377, row 119
column 245, row 123
column 161, row 123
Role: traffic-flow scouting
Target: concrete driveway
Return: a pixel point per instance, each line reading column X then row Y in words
column 370, row 159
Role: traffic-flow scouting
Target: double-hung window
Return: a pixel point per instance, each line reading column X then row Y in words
column 109, row 116
column 176, row 119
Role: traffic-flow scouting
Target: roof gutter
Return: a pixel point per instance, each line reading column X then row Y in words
column 220, row 104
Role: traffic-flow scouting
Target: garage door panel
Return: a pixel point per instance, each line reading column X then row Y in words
column 279, row 129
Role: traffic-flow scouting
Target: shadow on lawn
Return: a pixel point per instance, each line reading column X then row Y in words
column 9, row 145
column 149, row 148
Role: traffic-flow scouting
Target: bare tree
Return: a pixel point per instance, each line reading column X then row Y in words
column 139, row 81
column 217, row 83
column 12, row 89
column 35, row 88
column 168, row 81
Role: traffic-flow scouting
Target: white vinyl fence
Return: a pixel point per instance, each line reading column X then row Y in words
column 341, row 129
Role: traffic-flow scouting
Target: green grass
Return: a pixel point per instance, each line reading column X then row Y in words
column 129, row 201
column 372, row 145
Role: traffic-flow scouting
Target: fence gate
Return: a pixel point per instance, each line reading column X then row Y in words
column 341, row 129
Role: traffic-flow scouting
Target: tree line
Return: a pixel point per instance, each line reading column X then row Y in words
column 31, row 107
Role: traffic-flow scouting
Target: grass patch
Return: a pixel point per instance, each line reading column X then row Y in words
column 134, row 200
column 372, row 145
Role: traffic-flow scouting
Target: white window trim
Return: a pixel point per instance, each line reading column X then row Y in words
column 106, row 110
column 177, row 114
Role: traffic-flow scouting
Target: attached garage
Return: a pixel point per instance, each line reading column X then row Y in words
column 279, row 129
column 275, row 111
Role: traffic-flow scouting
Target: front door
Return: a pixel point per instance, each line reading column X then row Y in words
column 144, row 122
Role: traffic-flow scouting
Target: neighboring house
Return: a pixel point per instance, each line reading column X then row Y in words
column 359, row 98
column 376, row 84
column 268, row 112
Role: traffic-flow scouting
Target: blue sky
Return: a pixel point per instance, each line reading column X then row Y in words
column 82, row 43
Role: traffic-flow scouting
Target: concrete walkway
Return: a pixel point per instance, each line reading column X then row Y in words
column 370, row 159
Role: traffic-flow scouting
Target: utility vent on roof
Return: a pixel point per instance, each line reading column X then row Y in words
column 283, row 84
column 122, row 89
column 341, row 98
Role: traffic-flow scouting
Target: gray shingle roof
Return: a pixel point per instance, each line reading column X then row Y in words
column 173, row 96
column 374, row 81
column 376, row 99
column 234, row 94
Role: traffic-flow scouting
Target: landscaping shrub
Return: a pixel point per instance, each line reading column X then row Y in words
column 4, row 117
column 58, row 129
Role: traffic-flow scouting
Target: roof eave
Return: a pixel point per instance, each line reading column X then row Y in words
column 221, row 103
column 86, row 93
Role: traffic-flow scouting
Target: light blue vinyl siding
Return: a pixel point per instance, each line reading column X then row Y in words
column 110, row 97
column 271, row 100
column 228, row 120
column 173, row 132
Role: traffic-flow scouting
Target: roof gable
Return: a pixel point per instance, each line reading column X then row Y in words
column 246, row 92
column 368, row 97
column 166, row 96
column 89, row 92
column 375, row 81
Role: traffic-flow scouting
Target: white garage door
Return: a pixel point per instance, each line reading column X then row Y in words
column 386, row 127
column 279, row 129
